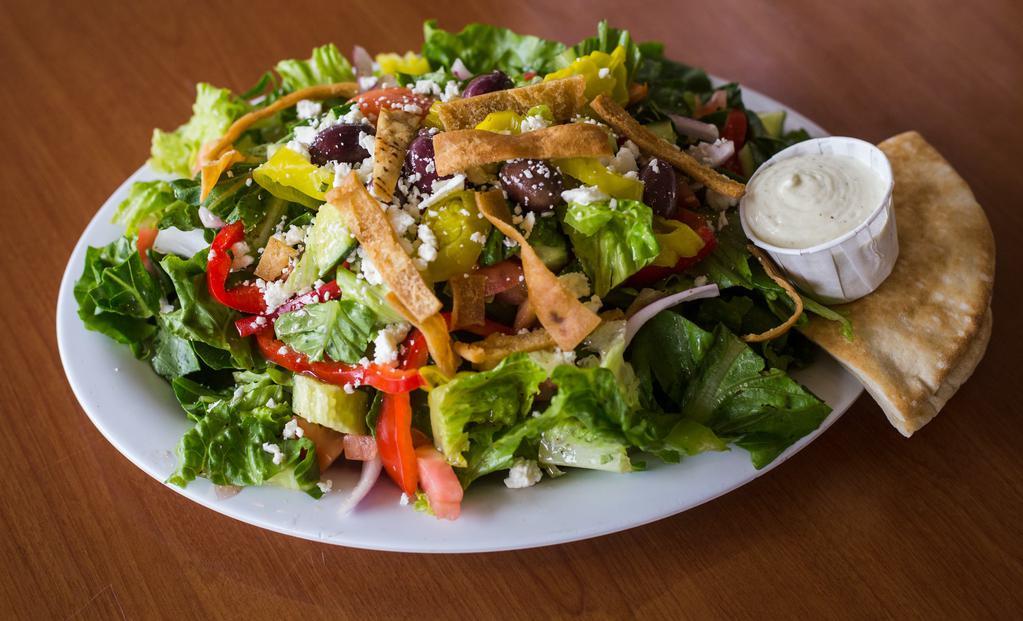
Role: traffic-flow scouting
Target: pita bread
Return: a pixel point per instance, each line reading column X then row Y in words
column 463, row 149
column 395, row 131
column 919, row 337
column 564, row 97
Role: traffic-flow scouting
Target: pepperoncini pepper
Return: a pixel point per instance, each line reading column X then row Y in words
column 605, row 74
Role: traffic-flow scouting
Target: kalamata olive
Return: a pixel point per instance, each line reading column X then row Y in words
column 339, row 143
column 487, row 83
column 534, row 184
column 419, row 161
column 660, row 188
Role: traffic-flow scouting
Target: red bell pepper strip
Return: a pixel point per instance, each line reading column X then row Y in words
column 652, row 273
column 243, row 298
column 394, row 441
column 384, row 379
column 247, row 326
column 144, row 243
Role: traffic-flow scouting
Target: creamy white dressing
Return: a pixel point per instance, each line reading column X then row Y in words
column 811, row 199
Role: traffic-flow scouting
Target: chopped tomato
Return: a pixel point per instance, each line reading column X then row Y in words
column 360, row 447
column 652, row 273
column 384, row 379
column 438, row 480
column 394, row 441
column 717, row 101
column 329, row 443
column 371, row 102
column 144, row 242
column 735, row 130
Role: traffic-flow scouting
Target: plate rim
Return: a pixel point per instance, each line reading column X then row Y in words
column 66, row 317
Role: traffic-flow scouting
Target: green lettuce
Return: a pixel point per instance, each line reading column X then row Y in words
column 147, row 203
column 326, row 66
column 236, row 434
column 715, row 380
column 212, row 113
column 200, row 317
column 612, row 243
column 173, row 356
column 484, row 48
column 339, row 329
column 490, row 400
column 101, row 296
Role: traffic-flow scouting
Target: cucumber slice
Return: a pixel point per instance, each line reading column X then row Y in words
column 773, row 122
column 329, row 405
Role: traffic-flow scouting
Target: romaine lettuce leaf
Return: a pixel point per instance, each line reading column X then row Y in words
column 338, row 329
column 173, row 356
column 493, row 399
column 612, row 243
column 125, row 287
column 327, row 65
column 484, row 48
column 212, row 113
column 147, row 203
column 200, row 317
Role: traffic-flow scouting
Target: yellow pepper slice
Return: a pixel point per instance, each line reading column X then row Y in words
column 411, row 64
column 455, row 223
column 291, row 177
column 677, row 241
column 604, row 73
column 510, row 122
column 590, row 171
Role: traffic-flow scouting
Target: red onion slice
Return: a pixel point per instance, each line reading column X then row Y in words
column 459, row 70
column 647, row 313
column 367, row 479
column 223, row 492
column 210, row 220
column 686, row 126
column 362, row 62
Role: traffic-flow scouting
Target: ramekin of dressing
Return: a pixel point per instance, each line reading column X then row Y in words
column 823, row 210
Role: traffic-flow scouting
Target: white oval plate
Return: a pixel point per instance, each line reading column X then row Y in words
column 137, row 412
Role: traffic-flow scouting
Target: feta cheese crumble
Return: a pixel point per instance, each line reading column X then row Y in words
column 387, row 341
column 523, row 473
column 292, row 430
column 443, row 189
column 274, row 450
column 307, row 108
column 584, row 195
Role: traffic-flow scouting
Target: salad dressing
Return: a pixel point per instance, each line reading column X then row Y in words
column 811, row 199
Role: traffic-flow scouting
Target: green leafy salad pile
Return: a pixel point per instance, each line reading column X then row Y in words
column 274, row 329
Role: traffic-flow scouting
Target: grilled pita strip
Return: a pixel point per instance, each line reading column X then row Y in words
column 460, row 150
column 564, row 317
column 210, row 173
column 492, row 350
column 773, row 274
column 566, row 98
column 395, row 131
column 469, row 303
column 623, row 123
column 367, row 221
column 275, row 258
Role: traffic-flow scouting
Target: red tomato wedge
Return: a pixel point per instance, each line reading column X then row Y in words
column 371, row 102
column 438, row 480
column 359, row 447
column 329, row 443
column 735, row 130
column 394, row 441
column 144, row 242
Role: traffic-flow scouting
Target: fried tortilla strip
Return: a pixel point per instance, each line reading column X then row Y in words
column 210, row 173
column 438, row 339
column 492, row 350
column 565, row 98
column 463, row 149
column 772, row 272
column 920, row 335
column 368, row 222
column 467, row 293
column 564, row 317
column 623, row 123
column 212, row 150
column 395, row 131
column 275, row 258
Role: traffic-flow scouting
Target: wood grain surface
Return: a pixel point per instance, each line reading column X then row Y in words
column 863, row 523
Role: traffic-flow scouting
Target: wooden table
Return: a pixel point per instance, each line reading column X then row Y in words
column 861, row 523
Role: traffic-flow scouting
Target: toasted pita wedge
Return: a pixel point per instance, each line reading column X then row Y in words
column 395, row 131
column 210, row 173
column 275, row 258
column 367, row 221
column 564, row 97
column 564, row 317
column 468, row 301
column 623, row 123
column 438, row 339
column 461, row 150
column 925, row 329
column 496, row 347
